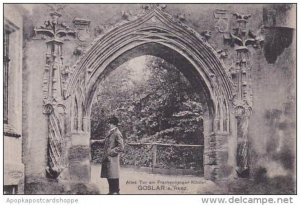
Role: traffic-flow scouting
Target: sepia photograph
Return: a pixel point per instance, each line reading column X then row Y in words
column 149, row 99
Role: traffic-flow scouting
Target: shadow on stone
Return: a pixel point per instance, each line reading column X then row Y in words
column 54, row 187
column 83, row 189
column 275, row 185
column 44, row 187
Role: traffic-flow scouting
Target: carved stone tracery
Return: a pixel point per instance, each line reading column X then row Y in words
column 54, row 108
column 241, row 39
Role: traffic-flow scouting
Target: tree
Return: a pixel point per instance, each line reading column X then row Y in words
column 154, row 102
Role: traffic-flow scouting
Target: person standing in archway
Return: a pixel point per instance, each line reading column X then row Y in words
column 113, row 146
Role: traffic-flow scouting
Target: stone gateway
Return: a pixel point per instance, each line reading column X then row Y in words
column 220, row 49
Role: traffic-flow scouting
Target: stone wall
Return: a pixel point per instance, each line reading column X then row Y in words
column 13, row 163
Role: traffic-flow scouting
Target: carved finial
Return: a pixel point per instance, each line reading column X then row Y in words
column 206, row 34
column 242, row 38
column 242, row 21
column 258, row 36
column 125, row 15
column 181, row 17
column 241, row 18
column 223, row 53
column 53, row 28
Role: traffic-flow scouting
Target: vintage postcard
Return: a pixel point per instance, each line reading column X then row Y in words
column 149, row 98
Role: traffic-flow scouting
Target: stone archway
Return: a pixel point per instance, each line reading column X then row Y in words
column 155, row 33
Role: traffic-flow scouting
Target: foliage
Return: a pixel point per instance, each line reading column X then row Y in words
column 154, row 103
column 180, row 157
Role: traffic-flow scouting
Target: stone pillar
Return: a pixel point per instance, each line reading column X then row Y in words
column 215, row 152
column 35, row 124
column 52, row 89
column 78, row 180
column 222, row 154
column 47, row 144
column 210, row 163
column 242, row 38
column 79, row 154
column 232, row 145
column 79, row 158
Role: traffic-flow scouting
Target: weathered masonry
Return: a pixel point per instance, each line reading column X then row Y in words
column 67, row 104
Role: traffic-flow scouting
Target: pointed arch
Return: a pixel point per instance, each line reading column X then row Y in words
column 226, row 117
column 157, row 33
column 75, row 115
column 158, row 28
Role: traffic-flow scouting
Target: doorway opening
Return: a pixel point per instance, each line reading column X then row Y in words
column 161, row 117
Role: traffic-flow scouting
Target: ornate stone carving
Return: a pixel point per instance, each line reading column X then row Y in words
column 98, row 30
column 53, row 28
column 181, row 17
column 78, row 50
column 126, row 15
column 222, row 17
column 147, row 7
column 223, row 53
column 56, row 31
column 83, row 28
column 242, row 19
column 152, row 27
column 101, row 30
column 48, row 108
column 241, row 39
column 206, row 35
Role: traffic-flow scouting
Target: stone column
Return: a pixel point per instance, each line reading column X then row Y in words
column 79, row 158
column 210, row 163
column 52, row 161
column 77, row 177
column 79, row 165
column 35, row 124
column 222, row 154
column 242, row 38
column 232, row 145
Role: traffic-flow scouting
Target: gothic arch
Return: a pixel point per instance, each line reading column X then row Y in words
column 155, row 33
column 155, row 26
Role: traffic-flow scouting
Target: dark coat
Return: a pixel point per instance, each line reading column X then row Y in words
column 113, row 145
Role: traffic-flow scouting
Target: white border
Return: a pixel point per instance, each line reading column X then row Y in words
column 128, row 199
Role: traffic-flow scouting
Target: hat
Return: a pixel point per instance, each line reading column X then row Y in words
column 113, row 120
